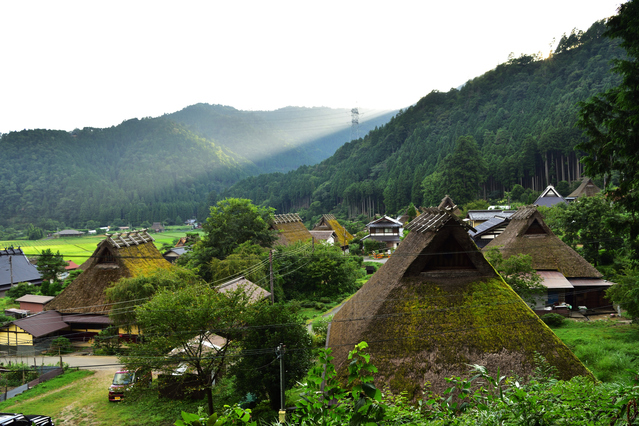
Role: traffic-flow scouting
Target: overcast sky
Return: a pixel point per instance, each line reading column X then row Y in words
column 68, row 64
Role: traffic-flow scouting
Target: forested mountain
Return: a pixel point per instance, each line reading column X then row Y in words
column 280, row 140
column 520, row 117
column 168, row 168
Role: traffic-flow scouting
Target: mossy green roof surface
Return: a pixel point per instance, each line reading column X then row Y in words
column 424, row 324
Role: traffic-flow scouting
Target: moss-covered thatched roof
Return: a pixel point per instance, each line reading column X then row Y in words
column 118, row 256
column 436, row 306
column 329, row 222
column 290, row 229
column 527, row 233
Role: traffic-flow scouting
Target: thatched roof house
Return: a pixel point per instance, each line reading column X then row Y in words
column 436, row 306
column 290, row 229
column 328, row 222
column 559, row 265
column 586, row 189
column 118, row 256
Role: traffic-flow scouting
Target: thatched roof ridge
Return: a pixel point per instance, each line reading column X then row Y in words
column 114, row 258
column 425, row 320
column 527, row 233
column 433, row 219
column 586, row 189
column 290, row 228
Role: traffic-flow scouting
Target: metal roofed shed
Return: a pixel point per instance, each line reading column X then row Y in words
column 254, row 292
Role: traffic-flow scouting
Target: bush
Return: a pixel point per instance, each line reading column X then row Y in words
column 553, row 320
column 319, row 306
column 325, row 300
column 60, row 345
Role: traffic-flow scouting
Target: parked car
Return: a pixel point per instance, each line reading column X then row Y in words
column 124, row 380
column 16, row 419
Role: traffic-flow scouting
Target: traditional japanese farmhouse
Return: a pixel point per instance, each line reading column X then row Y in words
column 437, row 306
column 586, row 189
column 386, row 230
column 15, row 268
column 68, row 233
column 328, row 222
column 290, row 229
column 549, row 197
column 157, row 227
column 487, row 231
column 567, row 276
column 117, row 256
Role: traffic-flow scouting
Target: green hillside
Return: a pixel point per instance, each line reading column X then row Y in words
column 520, row 114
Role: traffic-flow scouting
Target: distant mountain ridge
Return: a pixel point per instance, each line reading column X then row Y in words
column 521, row 114
column 280, row 140
column 168, row 168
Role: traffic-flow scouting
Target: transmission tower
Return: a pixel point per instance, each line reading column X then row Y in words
column 354, row 124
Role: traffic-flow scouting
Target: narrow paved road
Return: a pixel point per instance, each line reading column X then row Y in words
column 88, row 362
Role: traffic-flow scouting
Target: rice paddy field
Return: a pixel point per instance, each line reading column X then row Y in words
column 79, row 249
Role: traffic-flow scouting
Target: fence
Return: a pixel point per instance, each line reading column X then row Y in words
column 50, row 374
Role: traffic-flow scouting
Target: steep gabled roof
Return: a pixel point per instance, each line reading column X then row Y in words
column 383, row 222
column 254, row 292
column 549, row 197
column 329, row 222
column 586, row 189
column 290, row 229
column 436, row 306
column 527, row 233
column 118, row 256
column 16, row 268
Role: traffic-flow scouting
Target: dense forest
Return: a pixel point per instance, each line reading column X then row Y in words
column 166, row 169
column 517, row 119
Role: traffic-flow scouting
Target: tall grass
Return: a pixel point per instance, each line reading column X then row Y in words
column 609, row 348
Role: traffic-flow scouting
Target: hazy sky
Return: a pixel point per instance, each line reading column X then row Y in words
column 68, row 64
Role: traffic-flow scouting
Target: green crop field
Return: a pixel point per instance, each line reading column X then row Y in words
column 79, row 249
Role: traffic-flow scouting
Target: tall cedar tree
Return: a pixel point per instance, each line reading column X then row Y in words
column 610, row 119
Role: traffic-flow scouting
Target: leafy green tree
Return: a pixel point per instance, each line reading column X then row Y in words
column 325, row 272
column 231, row 222
column 50, row 265
column 625, row 291
column 610, row 118
column 34, row 233
column 266, row 326
column 127, row 293
column 594, row 224
column 19, row 290
column 247, row 259
column 518, row 272
column 177, row 326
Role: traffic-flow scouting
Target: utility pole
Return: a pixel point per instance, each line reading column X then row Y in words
column 270, row 261
column 280, row 355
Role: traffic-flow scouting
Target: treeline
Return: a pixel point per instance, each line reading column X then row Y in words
column 521, row 116
column 166, row 169
column 150, row 169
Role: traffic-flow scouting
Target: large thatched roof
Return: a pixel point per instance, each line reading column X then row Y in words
column 119, row 255
column 290, row 229
column 328, row 222
column 436, row 306
column 527, row 233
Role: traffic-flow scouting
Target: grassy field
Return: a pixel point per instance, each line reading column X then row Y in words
column 81, row 398
column 609, row 348
column 79, row 249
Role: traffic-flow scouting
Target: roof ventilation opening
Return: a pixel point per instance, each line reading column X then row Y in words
column 449, row 256
column 535, row 228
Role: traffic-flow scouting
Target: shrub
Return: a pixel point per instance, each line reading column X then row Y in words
column 553, row 320
column 60, row 345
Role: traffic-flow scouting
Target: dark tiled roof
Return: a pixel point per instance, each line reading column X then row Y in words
column 14, row 263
